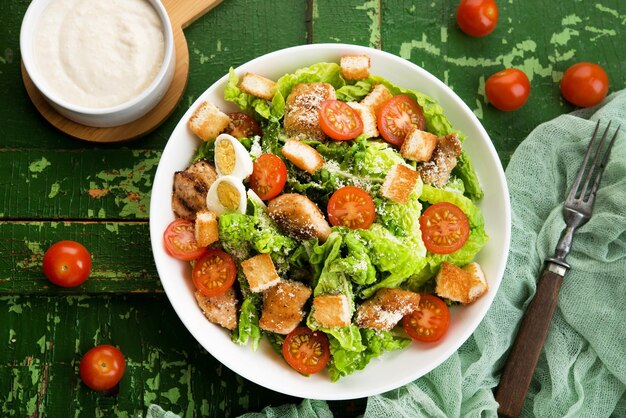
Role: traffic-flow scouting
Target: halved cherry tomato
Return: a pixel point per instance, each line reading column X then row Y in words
column 67, row 263
column 269, row 175
column 180, row 240
column 397, row 116
column 477, row 17
column 214, row 273
column 430, row 321
column 584, row 84
column 102, row 367
column 352, row 207
column 508, row 89
column 306, row 351
column 445, row 228
column 243, row 125
column 339, row 121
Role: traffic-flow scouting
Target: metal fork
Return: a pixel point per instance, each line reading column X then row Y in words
column 577, row 209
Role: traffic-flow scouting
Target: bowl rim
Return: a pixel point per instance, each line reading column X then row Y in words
column 336, row 393
column 29, row 24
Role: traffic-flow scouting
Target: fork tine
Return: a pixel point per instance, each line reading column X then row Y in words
column 596, row 182
column 572, row 193
column 592, row 169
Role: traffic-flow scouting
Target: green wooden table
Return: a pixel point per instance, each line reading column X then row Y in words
column 54, row 187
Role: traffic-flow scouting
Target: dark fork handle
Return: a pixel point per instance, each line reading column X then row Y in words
column 522, row 360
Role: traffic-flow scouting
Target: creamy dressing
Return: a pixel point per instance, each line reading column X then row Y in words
column 99, row 53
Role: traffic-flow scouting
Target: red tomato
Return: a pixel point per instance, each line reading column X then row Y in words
column 430, row 321
column 477, row 17
column 243, row 125
column 102, row 367
column 306, row 351
column 67, row 263
column 214, row 273
column 269, row 176
column 397, row 116
column 180, row 240
column 445, row 228
column 351, row 207
column 584, row 84
column 508, row 89
column 339, row 121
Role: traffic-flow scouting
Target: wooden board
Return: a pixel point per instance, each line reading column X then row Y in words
column 182, row 13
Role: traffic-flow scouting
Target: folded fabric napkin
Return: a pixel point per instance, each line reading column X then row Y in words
column 582, row 370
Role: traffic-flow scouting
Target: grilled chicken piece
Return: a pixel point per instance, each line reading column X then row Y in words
column 221, row 309
column 297, row 216
column 436, row 172
column 302, row 109
column 190, row 189
column 282, row 306
column 386, row 308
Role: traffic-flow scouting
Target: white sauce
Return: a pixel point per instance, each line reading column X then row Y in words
column 99, row 53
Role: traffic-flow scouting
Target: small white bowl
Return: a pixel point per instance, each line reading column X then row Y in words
column 117, row 115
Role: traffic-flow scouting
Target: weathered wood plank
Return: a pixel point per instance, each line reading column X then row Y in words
column 121, row 257
column 46, row 337
column 71, row 184
column 352, row 22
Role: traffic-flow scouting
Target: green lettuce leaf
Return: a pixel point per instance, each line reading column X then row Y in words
column 344, row 362
column 464, row 170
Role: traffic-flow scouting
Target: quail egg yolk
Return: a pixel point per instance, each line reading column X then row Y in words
column 225, row 157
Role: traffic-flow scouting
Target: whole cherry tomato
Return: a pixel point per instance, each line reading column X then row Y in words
column 477, row 17
column 508, row 89
column 67, row 263
column 584, row 84
column 102, row 367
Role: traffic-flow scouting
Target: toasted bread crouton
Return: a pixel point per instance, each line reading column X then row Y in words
column 377, row 97
column 386, row 308
column 207, row 122
column 418, row 145
column 258, row 86
column 399, row 183
column 368, row 117
column 463, row 285
column 355, row 67
column 299, row 217
column 207, row 228
column 260, row 272
column 220, row 309
column 303, row 156
column 302, row 109
column 436, row 172
column 331, row 311
column 282, row 307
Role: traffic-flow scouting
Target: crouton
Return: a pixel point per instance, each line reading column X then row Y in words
column 206, row 228
column 436, row 172
column 399, row 183
column 260, row 272
column 258, row 86
column 463, row 285
column 282, row 307
column 220, row 309
column 331, row 311
column 418, row 145
column 302, row 109
column 355, row 67
column 386, row 308
column 377, row 97
column 208, row 121
column 368, row 117
column 303, row 156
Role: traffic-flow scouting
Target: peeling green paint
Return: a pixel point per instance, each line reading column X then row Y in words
column 563, row 37
column 42, row 344
column 371, row 8
column 600, row 33
column 102, row 213
column 407, row 47
column 54, row 189
column 444, row 34
column 570, row 20
column 39, row 165
column 172, row 395
column 12, row 335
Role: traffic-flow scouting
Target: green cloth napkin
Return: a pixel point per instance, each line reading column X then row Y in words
column 582, row 370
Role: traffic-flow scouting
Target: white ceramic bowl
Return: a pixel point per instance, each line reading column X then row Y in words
column 393, row 369
column 117, row 115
